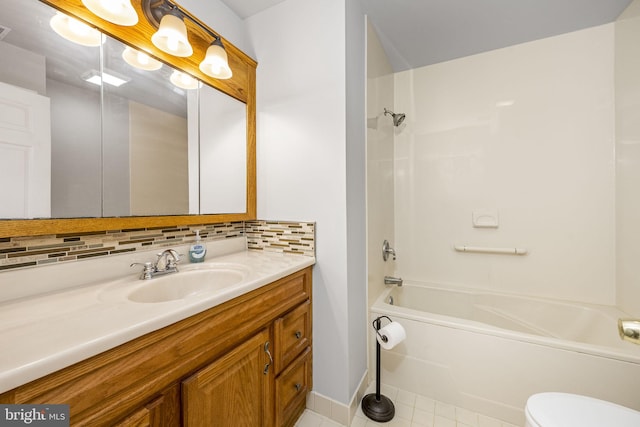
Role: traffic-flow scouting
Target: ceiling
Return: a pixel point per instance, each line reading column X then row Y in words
column 415, row 33
column 246, row 8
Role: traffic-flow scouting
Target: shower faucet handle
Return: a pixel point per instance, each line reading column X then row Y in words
column 387, row 250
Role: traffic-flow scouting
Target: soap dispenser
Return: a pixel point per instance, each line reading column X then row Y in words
column 198, row 250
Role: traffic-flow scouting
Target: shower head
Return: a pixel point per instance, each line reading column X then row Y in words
column 397, row 118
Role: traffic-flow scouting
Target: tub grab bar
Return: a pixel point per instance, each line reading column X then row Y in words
column 484, row 250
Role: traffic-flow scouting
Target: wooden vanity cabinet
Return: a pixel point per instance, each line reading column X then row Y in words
column 292, row 386
column 292, row 335
column 235, row 390
column 292, row 363
column 246, row 362
column 163, row 411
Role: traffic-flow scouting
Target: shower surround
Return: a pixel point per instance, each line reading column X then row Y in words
column 542, row 137
column 527, row 134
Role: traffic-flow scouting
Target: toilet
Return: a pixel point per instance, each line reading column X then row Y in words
column 572, row 410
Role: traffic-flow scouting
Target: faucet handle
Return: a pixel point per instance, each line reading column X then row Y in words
column 147, row 272
column 387, row 250
column 175, row 258
column 171, row 258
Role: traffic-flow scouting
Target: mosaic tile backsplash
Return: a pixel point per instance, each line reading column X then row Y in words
column 278, row 236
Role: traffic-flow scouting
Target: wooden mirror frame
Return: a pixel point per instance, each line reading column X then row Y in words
column 241, row 86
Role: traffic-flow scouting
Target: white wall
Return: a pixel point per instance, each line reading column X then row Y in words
column 379, row 174
column 628, row 158
column 356, row 193
column 223, row 149
column 380, row 149
column 300, row 46
column 222, row 20
column 159, row 161
column 76, row 149
column 529, row 131
column 23, row 68
column 115, row 156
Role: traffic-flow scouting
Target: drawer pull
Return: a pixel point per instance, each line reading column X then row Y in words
column 266, row 350
column 298, row 386
column 298, row 334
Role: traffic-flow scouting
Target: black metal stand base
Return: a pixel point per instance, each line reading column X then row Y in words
column 381, row 410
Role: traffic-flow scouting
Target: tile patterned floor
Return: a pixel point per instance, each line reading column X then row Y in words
column 412, row 410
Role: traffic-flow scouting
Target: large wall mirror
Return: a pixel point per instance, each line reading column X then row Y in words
column 91, row 141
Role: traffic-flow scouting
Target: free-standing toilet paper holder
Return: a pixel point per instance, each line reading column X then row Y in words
column 375, row 405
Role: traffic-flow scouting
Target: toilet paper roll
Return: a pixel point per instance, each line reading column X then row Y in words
column 394, row 333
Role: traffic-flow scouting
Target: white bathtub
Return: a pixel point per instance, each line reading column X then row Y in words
column 489, row 352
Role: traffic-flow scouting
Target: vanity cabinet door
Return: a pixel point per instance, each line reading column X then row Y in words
column 236, row 390
column 163, row 411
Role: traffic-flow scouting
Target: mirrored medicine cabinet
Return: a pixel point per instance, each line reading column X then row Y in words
column 89, row 142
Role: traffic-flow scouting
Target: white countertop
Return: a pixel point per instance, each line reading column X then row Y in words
column 43, row 333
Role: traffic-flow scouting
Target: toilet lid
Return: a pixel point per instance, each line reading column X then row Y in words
column 564, row 410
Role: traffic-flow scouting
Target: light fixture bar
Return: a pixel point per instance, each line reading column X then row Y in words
column 154, row 10
column 215, row 64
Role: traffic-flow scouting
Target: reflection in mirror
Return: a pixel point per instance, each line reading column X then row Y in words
column 38, row 75
column 144, row 140
column 223, row 172
column 117, row 137
column 76, row 143
column 76, row 162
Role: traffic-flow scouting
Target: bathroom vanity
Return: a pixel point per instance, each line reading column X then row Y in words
column 245, row 361
column 224, row 343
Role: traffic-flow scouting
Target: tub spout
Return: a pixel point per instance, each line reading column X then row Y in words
column 388, row 280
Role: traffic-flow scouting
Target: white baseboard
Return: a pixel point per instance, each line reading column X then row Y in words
column 336, row 411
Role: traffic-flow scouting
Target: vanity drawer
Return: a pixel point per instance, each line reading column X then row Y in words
column 292, row 387
column 292, row 335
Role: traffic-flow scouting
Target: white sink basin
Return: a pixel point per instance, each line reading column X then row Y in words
column 188, row 282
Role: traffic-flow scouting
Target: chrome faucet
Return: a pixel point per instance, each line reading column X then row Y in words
column 389, row 280
column 166, row 262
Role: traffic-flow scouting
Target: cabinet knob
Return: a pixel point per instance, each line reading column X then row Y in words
column 298, row 334
column 298, row 386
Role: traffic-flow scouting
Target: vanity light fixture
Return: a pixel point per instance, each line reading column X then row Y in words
column 183, row 80
column 119, row 12
column 215, row 63
column 172, row 37
column 75, row 31
column 141, row 60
